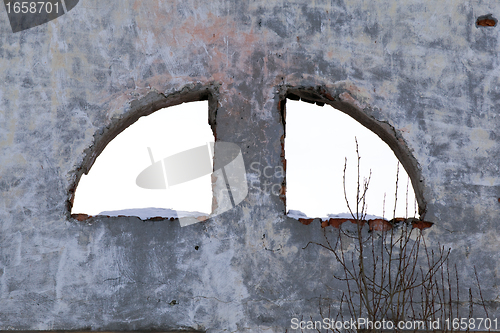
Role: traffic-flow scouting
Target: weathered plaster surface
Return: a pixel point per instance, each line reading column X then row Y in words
column 423, row 68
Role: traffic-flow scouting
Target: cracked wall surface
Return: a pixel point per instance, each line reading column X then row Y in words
column 425, row 74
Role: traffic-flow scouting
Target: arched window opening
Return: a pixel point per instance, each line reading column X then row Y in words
column 317, row 142
column 111, row 186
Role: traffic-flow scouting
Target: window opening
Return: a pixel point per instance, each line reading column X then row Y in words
column 110, row 187
column 318, row 139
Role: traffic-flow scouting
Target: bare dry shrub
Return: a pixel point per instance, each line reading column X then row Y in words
column 390, row 275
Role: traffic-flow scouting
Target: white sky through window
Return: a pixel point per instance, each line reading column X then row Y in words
column 317, row 141
column 111, row 182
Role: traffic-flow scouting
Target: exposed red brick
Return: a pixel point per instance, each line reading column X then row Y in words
column 305, row 221
column 80, row 217
column 283, row 190
column 379, row 225
column 375, row 224
column 156, row 218
column 336, row 222
column 421, row 224
column 354, row 221
column 487, row 22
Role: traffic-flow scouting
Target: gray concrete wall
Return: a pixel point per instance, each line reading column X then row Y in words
column 421, row 74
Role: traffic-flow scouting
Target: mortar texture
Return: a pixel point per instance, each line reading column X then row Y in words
column 421, row 73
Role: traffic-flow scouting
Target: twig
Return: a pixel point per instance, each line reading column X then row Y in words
column 480, row 292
